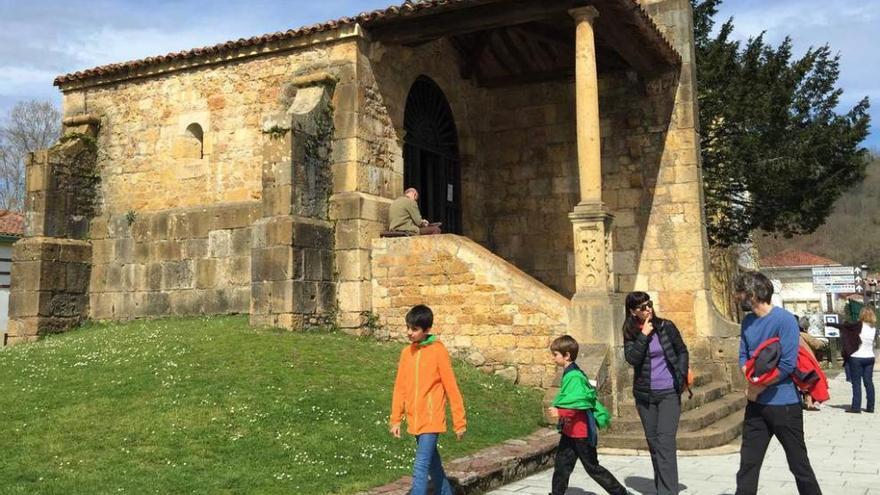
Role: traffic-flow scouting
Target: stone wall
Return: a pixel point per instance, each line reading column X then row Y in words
column 527, row 169
column 192, row 200
column 149, row 159
column 487, row 311
column 185, row 261
column 672, row 257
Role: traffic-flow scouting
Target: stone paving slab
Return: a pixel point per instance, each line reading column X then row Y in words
column 844, row 450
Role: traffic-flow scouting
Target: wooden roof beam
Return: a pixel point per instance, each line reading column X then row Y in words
column 482, row 17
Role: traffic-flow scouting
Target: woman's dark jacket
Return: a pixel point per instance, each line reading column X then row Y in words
column 850, row 337
column 636, row 353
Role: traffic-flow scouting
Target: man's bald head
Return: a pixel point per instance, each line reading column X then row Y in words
column 412, row 194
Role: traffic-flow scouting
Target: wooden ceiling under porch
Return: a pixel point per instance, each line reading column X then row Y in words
column 510, row 42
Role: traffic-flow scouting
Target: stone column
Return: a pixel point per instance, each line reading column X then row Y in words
column 591, row 221
column 587, row 94
column 594, row 309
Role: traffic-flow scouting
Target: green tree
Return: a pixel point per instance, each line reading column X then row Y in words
column 776, row 154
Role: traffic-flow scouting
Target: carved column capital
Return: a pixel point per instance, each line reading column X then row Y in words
column 588, row 13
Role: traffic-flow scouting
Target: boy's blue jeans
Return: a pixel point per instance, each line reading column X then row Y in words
column 428, row 462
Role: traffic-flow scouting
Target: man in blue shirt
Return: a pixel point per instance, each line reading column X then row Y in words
column 775, row 409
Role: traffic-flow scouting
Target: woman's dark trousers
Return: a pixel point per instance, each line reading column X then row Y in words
column 659, row 417
column 862, row 370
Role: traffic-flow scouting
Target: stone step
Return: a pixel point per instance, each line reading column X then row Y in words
column 703, row 394
column 701, row 379
column 691, row 419
column 712, row 425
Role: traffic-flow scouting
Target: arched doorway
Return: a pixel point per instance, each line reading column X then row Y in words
column 430, row 154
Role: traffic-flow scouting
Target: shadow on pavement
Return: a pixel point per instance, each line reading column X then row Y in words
column 645, row 486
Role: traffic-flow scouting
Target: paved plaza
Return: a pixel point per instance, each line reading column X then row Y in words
column 843, row 450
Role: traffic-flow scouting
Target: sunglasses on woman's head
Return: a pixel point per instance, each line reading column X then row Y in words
column 646, row 305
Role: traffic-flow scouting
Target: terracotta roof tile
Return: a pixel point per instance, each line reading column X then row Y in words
column 408, row 8
column 11, row 223
column 794, row 258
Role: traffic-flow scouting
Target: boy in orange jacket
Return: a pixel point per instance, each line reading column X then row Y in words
column 424, row 380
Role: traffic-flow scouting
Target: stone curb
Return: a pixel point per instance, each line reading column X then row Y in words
column 491, row 467
column 515, row 459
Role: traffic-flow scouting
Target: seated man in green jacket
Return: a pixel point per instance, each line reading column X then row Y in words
column 404, row 216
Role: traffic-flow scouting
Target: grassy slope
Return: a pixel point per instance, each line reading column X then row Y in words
column 211, row 406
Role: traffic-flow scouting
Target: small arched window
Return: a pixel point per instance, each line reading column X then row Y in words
column 195, row 132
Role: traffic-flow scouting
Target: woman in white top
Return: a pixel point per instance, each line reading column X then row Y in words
column 858, row 354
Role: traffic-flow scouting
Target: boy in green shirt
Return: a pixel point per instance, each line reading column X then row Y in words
column 580, row 415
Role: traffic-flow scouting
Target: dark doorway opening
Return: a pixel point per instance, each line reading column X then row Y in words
column 430, row 154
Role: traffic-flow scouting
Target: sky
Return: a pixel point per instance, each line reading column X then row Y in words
column 41, row 39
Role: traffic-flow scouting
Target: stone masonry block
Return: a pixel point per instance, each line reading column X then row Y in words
column 305, row 297
column 357, row 234
column 312, row 264
column 159, row 226
column 26, row 275
column 353, row 264
column 279, row 231
column 327, row 265
column 186, row 302
column 235, row 217
column 113, row 280
column 195, row 248
column 206, row 270
column 219, row 243
column 238, row 270
column 154, row 276
column 281, row 299
column 327, row 297
column 199, row 222
column 274, row 263
column 53, row 275
column 241, row 242
column 217, row 301
column 77, row 277
column 313, row 235
column 676, row 301
column 240, row 300
column 100, row 307
column 354, row 296
column 24, row 304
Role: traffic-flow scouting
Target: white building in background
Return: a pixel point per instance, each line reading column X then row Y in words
column 11, row 230
column 791, row 272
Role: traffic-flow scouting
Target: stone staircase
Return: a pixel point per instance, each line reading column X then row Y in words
column 711, row 418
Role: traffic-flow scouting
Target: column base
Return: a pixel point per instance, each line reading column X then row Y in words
column 597, row 317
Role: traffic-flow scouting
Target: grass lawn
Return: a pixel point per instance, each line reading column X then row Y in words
column 208, row 405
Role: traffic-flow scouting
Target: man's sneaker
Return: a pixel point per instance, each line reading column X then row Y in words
column 853, row 411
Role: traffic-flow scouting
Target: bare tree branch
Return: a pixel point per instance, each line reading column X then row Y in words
column 30, row 126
